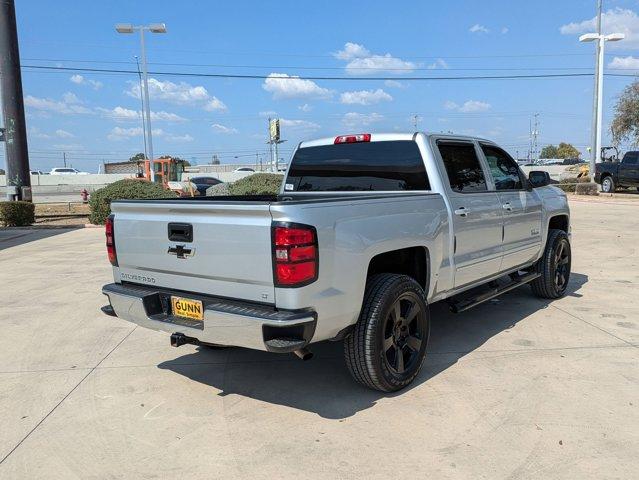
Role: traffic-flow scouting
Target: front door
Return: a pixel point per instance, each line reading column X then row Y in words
column 477, row 216
column 629, row 170
column 521, row 208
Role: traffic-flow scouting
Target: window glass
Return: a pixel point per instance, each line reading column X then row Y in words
column 503, row 168
column 462, row 166
column 367, row 166
column 631, row 158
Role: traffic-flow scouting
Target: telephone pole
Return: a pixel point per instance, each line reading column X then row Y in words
column 15, row 133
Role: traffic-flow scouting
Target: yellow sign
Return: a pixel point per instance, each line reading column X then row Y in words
column 187, row 308
column 274, row 129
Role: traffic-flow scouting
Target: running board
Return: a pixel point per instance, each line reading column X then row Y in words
column 467, row 303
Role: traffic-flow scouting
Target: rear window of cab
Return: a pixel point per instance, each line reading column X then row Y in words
column 395, row 165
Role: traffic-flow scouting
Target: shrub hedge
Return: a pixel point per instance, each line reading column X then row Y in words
column 17, row 214
column 100, row 201
column 257, row 184
column 569, row 184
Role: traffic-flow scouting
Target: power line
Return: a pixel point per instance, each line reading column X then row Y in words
column 262, row 77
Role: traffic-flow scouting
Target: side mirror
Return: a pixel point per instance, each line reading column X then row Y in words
column 538, row 178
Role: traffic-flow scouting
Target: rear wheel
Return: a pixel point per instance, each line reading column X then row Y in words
column 387, row 347
column 608, row 185
column 554, row 267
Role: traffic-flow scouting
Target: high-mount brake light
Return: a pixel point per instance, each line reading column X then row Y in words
column 357, row 138
column 295, row 254
column 110, row 240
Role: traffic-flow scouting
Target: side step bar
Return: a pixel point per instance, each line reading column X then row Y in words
column 467, row 303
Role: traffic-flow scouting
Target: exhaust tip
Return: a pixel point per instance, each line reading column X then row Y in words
column 303, row 353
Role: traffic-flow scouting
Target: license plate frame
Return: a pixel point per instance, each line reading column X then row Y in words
column 184, row 307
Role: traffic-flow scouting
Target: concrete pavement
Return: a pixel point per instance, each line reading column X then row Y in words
column 517, row 388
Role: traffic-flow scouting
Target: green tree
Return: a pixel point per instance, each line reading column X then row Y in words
column 625, row 125
column 549, row 151
column 136, row 157
column 566, row 150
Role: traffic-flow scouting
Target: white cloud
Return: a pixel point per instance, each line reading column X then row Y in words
column 219, row 128
column 470, row 106
column 505, row 30
column 362, row 61
column 179, row 138
column 36, row 133
column 617, row 20
column 268, row 113
column 439, row 63
column 283, row 86
column 627, row 63
column 80, row 80
column 305, row 108
column 63, row 134
column 179, row 93
column 477, row 28
column 298, row 124
column 69, row 147
column 394, row 84
column 70, row 104
column 365, row 97
column 119, row 133
column 122, row 114
column 355, row 120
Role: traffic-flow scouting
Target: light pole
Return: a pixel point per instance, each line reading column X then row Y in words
column 153, row 28
column 598, row 93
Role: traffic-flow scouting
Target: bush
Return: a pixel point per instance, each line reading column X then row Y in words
column 568, row 184
column 257, row 184
column 100, row 201
column 217, row 190
column 17, row 214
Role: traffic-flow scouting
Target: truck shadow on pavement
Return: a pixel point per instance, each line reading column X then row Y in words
column 323, row 384
column 12, row 237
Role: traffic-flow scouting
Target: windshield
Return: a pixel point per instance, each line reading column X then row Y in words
column 371, row 166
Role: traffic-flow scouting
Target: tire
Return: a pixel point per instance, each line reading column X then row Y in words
column 607, row 184
column 387, row 347
column 554, row 267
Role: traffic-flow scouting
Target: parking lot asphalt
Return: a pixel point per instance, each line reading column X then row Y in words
column 516, row 388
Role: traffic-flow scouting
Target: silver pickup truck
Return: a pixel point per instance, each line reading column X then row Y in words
column 366, row 232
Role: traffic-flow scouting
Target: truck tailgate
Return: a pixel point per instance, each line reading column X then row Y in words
column 230, row 252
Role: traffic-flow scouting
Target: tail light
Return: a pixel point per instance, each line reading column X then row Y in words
column 110, row 240
column 358, row 138
column 295, row 255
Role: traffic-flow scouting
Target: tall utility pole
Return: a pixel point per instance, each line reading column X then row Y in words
column 415, row 121
column 535, row 135
column 17, row 154
column 137, row 62
column 595, row 100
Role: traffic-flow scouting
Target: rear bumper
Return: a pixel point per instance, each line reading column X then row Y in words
column 226, row 322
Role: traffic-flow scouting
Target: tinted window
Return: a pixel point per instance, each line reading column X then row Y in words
column 462, row 166
column 503, row 168
column 206, row 181
column 370, row 166
column 631, row 158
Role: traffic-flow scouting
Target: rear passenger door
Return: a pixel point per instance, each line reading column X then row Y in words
column 629, row 169
column 477, row 216
column 521, row 208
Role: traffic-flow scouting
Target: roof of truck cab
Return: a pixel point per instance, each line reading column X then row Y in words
column 385, row 137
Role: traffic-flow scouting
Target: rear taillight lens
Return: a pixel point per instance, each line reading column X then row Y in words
column 295, row 255
column 110, row 240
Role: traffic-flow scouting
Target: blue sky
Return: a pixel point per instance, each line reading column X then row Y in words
column 94, row 117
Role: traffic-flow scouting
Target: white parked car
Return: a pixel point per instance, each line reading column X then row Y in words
column 243, row 169
column 66, row 171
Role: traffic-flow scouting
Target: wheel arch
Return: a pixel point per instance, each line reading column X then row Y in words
column 411, row 261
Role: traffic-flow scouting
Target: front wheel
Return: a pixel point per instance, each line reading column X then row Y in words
column 607, row 185
column 554, row 267
column 387, row 347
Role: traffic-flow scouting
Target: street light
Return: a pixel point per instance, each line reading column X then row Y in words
column 598, row 93
column 153, row 28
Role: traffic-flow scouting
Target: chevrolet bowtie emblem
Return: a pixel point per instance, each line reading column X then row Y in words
column 181, row 251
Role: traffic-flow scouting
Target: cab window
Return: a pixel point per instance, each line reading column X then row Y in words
column 503, row 168
column 462, row 166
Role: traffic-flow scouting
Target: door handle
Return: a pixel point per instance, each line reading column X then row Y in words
column 507, row 206
column 462, row 211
